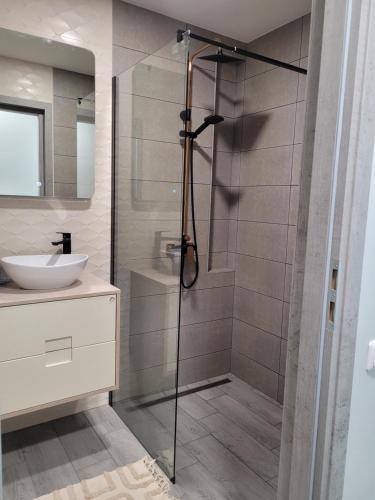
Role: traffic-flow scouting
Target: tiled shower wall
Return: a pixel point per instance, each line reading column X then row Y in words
column 151, row 95
column 252, row 224
column 266, row 172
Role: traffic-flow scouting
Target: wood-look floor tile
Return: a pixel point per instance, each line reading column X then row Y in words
column 257, row 457
column 260, row 430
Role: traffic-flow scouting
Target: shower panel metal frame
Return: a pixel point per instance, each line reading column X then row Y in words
column 187, row 247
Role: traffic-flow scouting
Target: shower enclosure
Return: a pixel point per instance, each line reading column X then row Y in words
column 162, row 119
column 148, row 167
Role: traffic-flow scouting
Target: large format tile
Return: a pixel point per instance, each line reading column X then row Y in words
column 270, row 90
column 47, row 462
column 258, row 310
column 283, row 43
column 195, row 406
column 260, row 275
column 155, row 77
column 266, row 166
column 206, row 305
column 197, row 483
column 123, row 59
column 271, row 128
column 153, row 161
column 265, row 407
column 202, row 338
column 146, row 118
column 256, row 427
column 141, row 29
column 256, row 344
column 267, row 241
column 257, row 457
column 255, row 374
column 238, row 480
column 80, row 441
column 202, row 367
column 188, row 428
column 264, row 204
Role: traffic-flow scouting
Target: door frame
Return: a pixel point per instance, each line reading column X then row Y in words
column 336, row 173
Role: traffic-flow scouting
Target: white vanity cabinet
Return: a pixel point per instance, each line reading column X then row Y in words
column 57, row 346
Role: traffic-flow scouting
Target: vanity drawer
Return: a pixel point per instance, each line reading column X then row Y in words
column 34, row 329
column 32, row 382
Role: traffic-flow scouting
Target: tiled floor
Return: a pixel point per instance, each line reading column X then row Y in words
column 228, row 447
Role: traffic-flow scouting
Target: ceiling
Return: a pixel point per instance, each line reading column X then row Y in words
column 243, row 20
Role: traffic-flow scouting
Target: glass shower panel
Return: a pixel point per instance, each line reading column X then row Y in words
column 147, row 233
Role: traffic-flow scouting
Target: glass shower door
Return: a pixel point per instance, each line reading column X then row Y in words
column 147, row 233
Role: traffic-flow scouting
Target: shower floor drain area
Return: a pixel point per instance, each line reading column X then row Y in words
column 181, row 393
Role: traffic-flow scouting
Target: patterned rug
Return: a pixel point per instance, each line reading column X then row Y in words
column 142, row 480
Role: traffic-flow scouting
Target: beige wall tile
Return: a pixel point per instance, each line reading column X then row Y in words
column 255, row 374
column 264, row 204
column 221, row 201
column 258, row 310
column 271, row 128
column 288, row 282
column 283, row 352
column 268, row 241
column 283, row 43
column 292, row 235
column 151, row 160
column 155, row 77
column 219, row 235
column 280, row 392
column 306, row 21
column 203, row 338
column 206, row 305
column 270, row 90
column 302, row 81
column 260, row 275
column 146, row 118
column 297, row 163
column 226, row 98
column 294, row 201
column 152, row 313
column 285, row 325
column 157, row 30
column 203, row 367
column 266, row 166
column 236, row 167
column 256, row 344
column 222, row 168
column 300, row 122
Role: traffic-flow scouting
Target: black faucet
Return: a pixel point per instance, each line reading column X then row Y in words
column 66, row 242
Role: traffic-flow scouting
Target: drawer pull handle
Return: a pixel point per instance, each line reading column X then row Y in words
column 112, row 299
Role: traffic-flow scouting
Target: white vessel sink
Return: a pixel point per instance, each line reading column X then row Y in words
column 44, row 272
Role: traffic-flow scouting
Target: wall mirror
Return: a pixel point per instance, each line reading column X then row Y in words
column 47, row 118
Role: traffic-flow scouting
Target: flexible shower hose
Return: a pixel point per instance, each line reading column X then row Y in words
column 194, row 245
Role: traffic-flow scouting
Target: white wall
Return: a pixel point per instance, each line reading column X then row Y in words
column 359, row 482
column 26, row 80
column 29, row 226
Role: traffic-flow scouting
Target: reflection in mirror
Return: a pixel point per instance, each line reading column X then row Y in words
column 47, row 118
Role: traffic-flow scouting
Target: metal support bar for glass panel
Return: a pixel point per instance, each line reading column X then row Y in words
column 239, row 51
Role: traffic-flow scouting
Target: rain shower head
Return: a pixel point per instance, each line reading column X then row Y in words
column 220, row 57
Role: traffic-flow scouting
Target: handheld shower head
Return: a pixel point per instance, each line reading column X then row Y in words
column 208, row 120
column 213, row 119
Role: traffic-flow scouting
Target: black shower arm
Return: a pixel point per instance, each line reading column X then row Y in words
column 239, row 51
